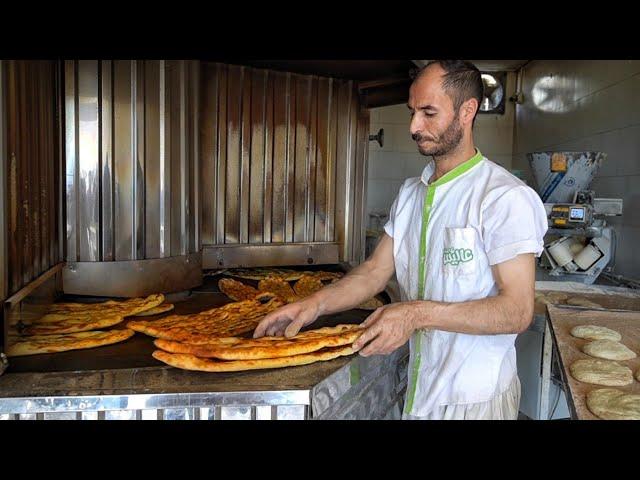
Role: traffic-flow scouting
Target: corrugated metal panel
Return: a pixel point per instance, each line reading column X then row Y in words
column 131, row 155
column 278, row 154
column 31, row 169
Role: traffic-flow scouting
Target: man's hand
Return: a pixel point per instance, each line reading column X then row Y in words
column 288, row 320
column 387, row 329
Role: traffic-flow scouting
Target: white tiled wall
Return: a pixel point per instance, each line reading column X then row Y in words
column 589, row 105
column 399, row 159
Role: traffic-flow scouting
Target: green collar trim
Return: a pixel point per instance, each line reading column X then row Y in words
column 459, row 170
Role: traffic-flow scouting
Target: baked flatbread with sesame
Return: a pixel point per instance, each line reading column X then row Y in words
column 121, row 308
column 267, row 347
column 191, row 362
column 229, row 320
column 164, row 308
column 236, row 290
column 278, row 287
column 38, row 344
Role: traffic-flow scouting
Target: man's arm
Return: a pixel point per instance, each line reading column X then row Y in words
column 510, row 311
column 360, row 284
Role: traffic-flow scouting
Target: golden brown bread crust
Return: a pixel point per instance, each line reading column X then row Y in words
column 229, row 320
column 266, row 347
column 60, row 343
column 111, row 308
column 164, row 308
column 236, row 290
column 278, row 287
column 191, row 362
column 307, row 285
column 73, row 324
column 285, row 274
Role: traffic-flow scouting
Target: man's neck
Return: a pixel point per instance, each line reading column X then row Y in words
column 445, row 163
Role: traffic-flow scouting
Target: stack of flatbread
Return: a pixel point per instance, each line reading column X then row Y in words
column 232, row 354
column 199, row 328
column 278, row 285
column 73, row 326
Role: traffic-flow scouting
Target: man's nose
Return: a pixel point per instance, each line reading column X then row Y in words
column 414, row 126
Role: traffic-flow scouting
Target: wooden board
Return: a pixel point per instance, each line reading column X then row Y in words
column 608, row 301
column 562, row 320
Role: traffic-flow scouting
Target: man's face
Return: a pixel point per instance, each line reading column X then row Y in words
column 435, row 126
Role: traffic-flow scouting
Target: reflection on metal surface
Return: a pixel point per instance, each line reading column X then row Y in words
column 133, row 278
column 131, row 147
column 493, row 93
column 232, row 256
column 556, row 93
column 273, row 147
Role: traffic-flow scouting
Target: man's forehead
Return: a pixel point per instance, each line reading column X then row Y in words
column 427, row 89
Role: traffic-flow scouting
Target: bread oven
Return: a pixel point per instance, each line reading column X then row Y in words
column 125, row 178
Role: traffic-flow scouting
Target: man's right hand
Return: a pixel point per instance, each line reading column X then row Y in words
column 288, row 320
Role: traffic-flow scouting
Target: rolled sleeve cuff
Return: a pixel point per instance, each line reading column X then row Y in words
column 388, row 228
column 507, row 252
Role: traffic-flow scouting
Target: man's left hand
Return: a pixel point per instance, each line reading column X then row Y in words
column 387, row 329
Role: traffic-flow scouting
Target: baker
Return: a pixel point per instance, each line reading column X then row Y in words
column 461, row 240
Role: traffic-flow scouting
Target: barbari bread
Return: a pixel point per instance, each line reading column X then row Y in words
column 236, row 290
column 231, row 319
column 60, row 343
column 191, row 362
column 267, row 347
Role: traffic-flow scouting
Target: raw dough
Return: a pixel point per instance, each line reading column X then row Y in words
column 551, row 297
column 582, row 302
column 614, row 404
column 609, row 350
column 595, row 332
column 601, row 372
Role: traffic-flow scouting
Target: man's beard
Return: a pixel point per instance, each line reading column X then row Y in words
column 446, row 142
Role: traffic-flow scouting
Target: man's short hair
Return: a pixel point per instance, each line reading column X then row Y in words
column 462, row 81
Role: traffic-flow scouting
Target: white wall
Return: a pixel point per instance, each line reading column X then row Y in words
column 589, row 105
column 399, row 159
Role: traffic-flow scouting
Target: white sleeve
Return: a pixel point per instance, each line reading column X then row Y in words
column 512, row 224
column 388, row 227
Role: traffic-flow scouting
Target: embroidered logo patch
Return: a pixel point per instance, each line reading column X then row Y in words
column 456, row 256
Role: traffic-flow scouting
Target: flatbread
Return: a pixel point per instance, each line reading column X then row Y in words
column 614, row 404
column 278, row 287
column 121, row 308
column 307, row 285
column 262, row 273
column 191, row 362
column 74, row 324
column 582, row 302
column 60, row 343
column 609, row 350
column 595, row 332
column 601, row 372
column 265, row 347
column 164, row 308
column 236, row 290
column 285, row 274
column 229, row 320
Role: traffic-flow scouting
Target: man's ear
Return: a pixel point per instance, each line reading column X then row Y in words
column 468, row 110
